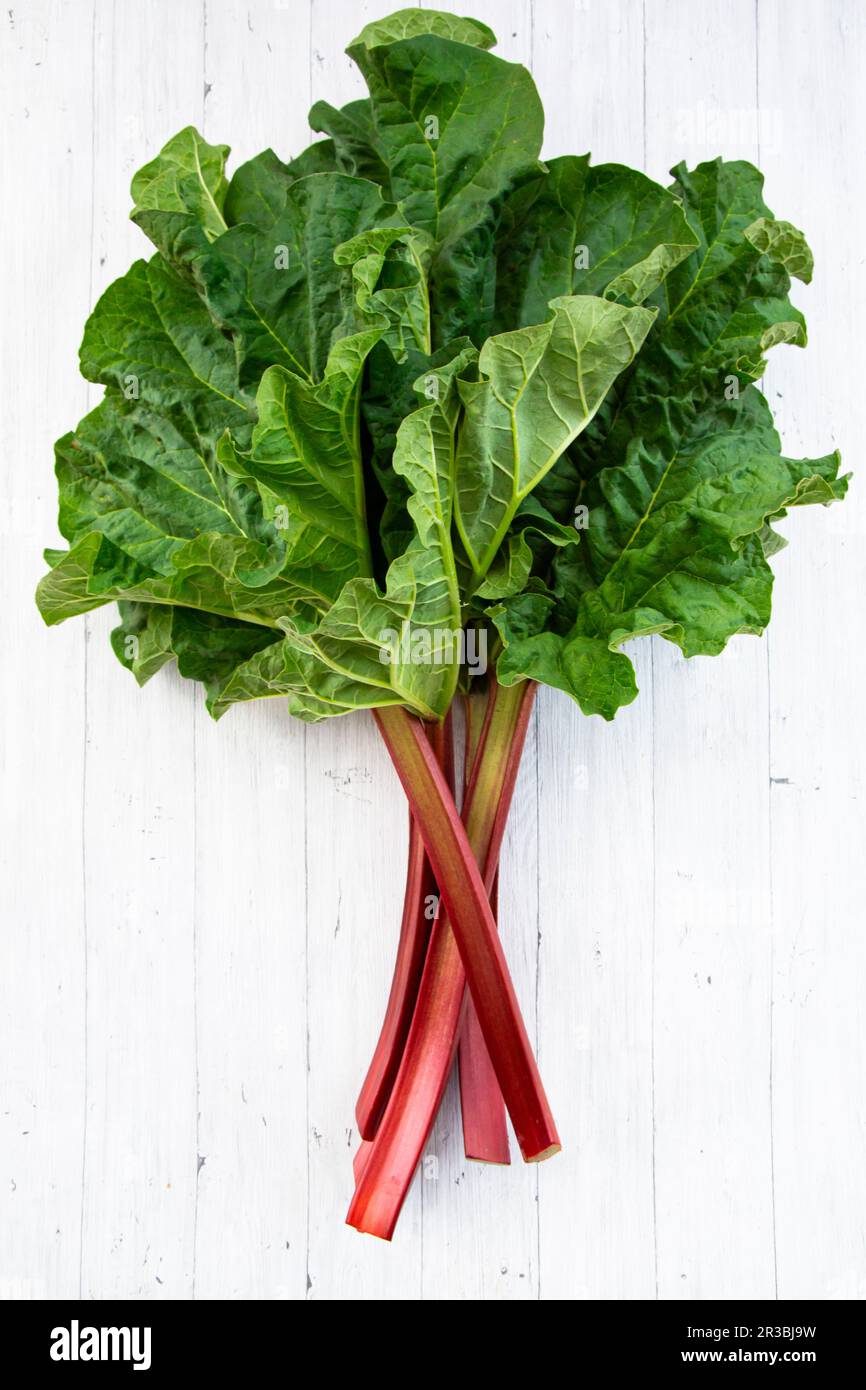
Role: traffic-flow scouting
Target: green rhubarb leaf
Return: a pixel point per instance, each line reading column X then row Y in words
column 582, row 229
column 258, row 189
column 538, row 388
column 179, row 196
column 390, row 266
column 400, row 646
column 677, row 550
column 141, row 468
column 227, row 540
column 598, row 677
column 353, row 128
column 352, row 135
column 130, row 474
column 409, row 24
column 152, row 339
column 451, row 123
column 391, row 392
column 278, row 289
column 227, row 576
column 720, row 310
column 727, row 302
column 206, row 648
column 270, row 278
column 447, row 131
column 305, row 462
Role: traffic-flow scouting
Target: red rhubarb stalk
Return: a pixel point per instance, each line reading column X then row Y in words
column 384, row 1172
column 482, row 1109
column 411, row 952
column 466, row 900
column 393, row 1156
column 359, row 1162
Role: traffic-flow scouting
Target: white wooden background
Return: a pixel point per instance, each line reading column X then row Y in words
column 199, row 920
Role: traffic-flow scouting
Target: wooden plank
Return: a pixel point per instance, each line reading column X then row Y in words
column 356, row 849
column 140, row 1167
column 595, row 804
column 251, row 1226
column 251, row 1229
column 45, row 155
column 481, row 1221
column 810, row 77
column 712, row 920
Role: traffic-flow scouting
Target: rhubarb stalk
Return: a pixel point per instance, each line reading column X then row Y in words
column 463, row 893
column 417, row 1093
column 411, row 951
column 482, row 1109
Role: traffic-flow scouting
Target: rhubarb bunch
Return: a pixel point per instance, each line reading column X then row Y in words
column 409, row 424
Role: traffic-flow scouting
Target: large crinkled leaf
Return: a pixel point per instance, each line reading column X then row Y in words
column 452, row 124
column 279, row 289
column 651, row 465
column 679, row 554
column 447, row 132
column 154, row 517
column 389, row 273
column 353, row 128
column 585, row 229
column 206, row 648
column 142, row 468
column 401, row 646
column 152, row 514
column 151, row 338
column 352, row 135
column 228, row 576
column 681, row 472
column 720, row 310
column 179, row 195
column 305, row 462
column 258, row 189
column 390, row 394
column 270, row 278
column 726, row 303
column 130, row 473
column 538, row 388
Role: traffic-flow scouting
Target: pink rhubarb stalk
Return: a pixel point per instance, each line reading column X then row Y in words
column 482, row 1109
column 418, row 1089
column 411, row 952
